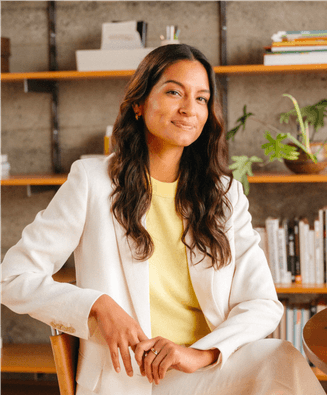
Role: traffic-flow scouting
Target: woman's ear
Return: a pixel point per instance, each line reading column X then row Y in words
column 138, row 110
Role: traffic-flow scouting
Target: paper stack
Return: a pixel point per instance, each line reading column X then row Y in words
column 122, row 48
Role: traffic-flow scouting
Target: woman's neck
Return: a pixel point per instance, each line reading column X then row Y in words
column 164, row 166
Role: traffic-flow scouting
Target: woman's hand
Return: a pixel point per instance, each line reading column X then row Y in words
column 155, row 356
column 118, row 329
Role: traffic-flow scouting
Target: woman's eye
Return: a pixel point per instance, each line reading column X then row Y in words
column 203, row 99
column 174, row 93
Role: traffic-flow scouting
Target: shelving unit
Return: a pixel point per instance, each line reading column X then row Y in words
column 50, row 179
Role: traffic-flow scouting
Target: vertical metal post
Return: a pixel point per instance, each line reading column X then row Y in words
column 55, row 147
column 223, row 80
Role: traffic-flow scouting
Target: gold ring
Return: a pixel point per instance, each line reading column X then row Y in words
column 155, row 352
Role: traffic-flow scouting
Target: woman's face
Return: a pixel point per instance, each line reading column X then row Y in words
column 176, row 109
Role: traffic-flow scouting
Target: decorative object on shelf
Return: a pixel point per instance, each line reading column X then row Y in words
column 108, row 140
column 122, row 48
column 5, row 54
column 275, row 148
column 172, row 34
column 305, row 165
column 5, row 166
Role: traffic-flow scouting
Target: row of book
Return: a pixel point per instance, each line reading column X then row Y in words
column 293, row 321
column 297, row 47
column 296, row 252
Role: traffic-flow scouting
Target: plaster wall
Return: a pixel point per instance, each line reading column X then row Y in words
column 87, row 107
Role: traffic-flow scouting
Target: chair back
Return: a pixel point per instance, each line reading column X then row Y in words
column 65, row 353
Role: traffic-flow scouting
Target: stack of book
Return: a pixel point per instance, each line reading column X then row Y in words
column 297, row 47
column 295, row 251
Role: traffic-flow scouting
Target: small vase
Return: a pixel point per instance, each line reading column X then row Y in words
column 304, row 165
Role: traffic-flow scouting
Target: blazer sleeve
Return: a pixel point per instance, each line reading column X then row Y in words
column 45, row 245
column 254, row 311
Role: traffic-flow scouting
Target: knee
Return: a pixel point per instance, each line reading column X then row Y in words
column 283, row 351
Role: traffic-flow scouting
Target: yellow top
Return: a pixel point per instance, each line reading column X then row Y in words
column 175, row 311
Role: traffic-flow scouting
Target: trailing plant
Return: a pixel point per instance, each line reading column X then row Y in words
column 276, row 148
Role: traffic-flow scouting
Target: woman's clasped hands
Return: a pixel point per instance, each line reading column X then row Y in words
column 158, row 355
column 154, row 356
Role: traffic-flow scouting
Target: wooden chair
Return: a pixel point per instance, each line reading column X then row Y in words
column 315, row 340
column 65, row 353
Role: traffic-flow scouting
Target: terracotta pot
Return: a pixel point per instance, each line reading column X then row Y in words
column 304, row 164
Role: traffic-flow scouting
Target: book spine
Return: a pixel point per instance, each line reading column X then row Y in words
column 291, row 253
column 298, row 278
column 318, row 258
column 272, row 225
column 283, row 326
column 289, row 323
column 282, row 258
column 311, row 257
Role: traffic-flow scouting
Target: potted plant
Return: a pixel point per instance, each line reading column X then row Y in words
column 301, row 154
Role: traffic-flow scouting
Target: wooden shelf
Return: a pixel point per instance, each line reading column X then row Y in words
column 258, row 178
column 65, row 75
column 227, row 70
column 27, row 358
column 261, row 69
column 35, row 179
column 301, row 288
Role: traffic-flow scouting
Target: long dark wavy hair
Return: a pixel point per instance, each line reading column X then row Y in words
column 201, row 196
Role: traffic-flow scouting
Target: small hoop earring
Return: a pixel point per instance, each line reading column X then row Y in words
column 137, row 116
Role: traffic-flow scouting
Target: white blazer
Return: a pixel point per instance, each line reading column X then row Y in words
column 239, row 301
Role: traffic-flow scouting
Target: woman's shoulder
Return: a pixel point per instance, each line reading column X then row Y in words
column 232, row 186
column 94, row 167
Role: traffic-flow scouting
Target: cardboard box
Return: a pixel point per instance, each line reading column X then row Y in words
column 103, row 60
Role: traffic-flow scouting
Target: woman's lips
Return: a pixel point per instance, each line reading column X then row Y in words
column 183, row 125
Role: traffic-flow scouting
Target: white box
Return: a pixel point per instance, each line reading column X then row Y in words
column 113, row 59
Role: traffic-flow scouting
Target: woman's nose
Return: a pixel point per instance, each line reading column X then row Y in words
column 187, row 107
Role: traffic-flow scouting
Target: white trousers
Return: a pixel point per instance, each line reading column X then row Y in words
column 263, row 367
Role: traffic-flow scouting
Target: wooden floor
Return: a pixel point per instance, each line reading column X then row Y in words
column 15, row 387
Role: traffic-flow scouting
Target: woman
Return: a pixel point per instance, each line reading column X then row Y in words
column 170, row 278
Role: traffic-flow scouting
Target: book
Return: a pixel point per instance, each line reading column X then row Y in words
column 282, row 323
column 297, row 34
column 282, row 257
column 290, row 248
column 300, row 45
column 298, row 278
column 310, row 57
column 304, row 250
column 272, row 226
column 289, row 323
column 318, row 258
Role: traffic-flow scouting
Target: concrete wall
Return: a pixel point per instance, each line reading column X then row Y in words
column 87, row 107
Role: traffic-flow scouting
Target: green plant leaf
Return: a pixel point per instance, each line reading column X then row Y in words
column 241, row 122
column 231, row 133
column 242, row 167
column 295, row 141
column 314, row 114
column 277, row 149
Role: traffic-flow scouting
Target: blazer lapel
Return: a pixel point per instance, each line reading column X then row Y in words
column 202, row 277
column 137, row 278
